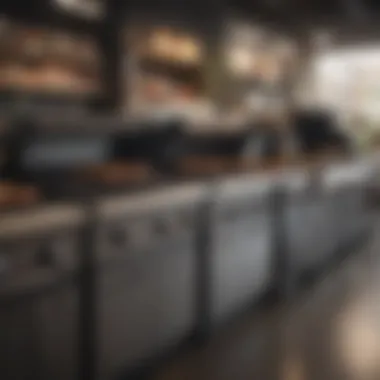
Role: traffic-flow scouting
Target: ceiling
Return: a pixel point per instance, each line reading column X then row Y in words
column 356, row 16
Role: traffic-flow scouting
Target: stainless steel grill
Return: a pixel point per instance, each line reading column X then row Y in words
column 39, row 300
column 348, row 185
column 241, row 260
column 309, row 241
column 147, row 275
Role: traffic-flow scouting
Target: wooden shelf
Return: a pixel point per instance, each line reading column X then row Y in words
column 178, row 71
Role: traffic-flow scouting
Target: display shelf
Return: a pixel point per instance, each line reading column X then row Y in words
column 259, row 64
column 165, row 68
column 44, row 63
column 178, row 71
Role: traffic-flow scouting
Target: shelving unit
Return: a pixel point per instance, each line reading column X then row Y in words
column 259, row 65
column 48, row 56
column 165, row 68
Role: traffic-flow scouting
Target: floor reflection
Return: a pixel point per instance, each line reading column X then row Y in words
column 333, row 334
column 358, row 327
column 359, row 340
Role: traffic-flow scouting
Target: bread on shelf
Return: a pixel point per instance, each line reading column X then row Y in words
column 115, row 173
column 13, row 194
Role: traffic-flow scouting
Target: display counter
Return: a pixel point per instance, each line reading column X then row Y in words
column 169, row 263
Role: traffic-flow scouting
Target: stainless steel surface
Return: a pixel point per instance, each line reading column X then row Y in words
column 147, row 275
column 241, row 257
column 309, row 237
column 39, row 295
column 112, row 207
column 328, row 214
column 147, row 265
column 348, row 185
column 46, row 218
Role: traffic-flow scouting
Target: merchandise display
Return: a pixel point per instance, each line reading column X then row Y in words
column 42, row 59
column 165, row 70
column 181, row 187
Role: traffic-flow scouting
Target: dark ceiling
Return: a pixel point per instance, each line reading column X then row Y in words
column 291, row 13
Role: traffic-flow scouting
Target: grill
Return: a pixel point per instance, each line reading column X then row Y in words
column 39, row 294
column 147, row 268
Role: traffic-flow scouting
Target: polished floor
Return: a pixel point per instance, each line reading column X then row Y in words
column 331, row 332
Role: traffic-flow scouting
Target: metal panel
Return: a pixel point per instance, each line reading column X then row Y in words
column 147, row 276
column 348, row 184
column 241, row 259
column 310, row 241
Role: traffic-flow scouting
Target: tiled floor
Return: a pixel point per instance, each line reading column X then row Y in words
column 330, row 333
